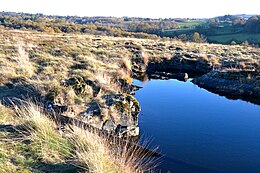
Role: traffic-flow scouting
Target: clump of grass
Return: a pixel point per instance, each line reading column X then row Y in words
column 145, row 58
column 105, row 81
column 6, row 115
column 103, row 78
column 50, row 144
column 125, row 75
column 89, row 150
column 203, row 58
column 242, row 65
column 25, row 67
column 127, row 64
column 92, row 152
column 104, row 155
column 214, row 61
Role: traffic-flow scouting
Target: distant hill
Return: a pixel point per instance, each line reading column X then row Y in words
column 230, row 17
column 222, row 29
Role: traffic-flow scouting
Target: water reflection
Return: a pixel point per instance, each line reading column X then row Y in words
column 199, row 131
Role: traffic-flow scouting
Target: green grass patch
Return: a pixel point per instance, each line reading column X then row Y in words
column 239, row 38
column 191, row 23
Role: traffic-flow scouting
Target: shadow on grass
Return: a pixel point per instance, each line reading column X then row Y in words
column 23, row 91
column 59, row 168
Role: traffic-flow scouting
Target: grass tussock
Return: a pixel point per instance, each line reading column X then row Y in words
column 145, row 58
column 106, row 81
column 25, row 66
column 97, row 154
column 203, row 58
column 127, row 64
column 48, row 144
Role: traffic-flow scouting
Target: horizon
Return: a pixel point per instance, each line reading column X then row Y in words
column 127, row 16
column 143, row 9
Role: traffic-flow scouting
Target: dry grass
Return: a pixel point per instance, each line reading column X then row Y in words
column 127, row 64
column 122, row 73
column 90, row 151
column 6, row 115
column 203, row 58
column 95, row 152
column 46, row 61
column 24, row 66
column 106, row 81
column 145, row 58
column 52, row 147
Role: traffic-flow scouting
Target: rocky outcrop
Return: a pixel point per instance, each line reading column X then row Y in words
column 232, row 84
column 115, row 113
column 118, row 114
column 180, row 63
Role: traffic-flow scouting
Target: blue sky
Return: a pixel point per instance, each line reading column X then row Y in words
column 134, row 8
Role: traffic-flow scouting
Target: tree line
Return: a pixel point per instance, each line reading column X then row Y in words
column 124, row 26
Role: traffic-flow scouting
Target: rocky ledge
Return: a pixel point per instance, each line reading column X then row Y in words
column 181, row 63
column 119, row 114
column 233, row 84
column 112, row 112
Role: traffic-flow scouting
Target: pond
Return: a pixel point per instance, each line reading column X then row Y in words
column 199, row 131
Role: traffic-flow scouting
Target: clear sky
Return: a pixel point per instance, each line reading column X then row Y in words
column 134, row 8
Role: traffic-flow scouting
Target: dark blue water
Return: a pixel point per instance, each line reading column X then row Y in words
column 199, row 131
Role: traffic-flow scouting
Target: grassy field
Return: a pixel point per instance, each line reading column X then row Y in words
column 191, row 23
column 224, row 34
column 184, row 28
column 239, row 38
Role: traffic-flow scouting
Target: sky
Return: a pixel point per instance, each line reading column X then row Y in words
column 134, row 8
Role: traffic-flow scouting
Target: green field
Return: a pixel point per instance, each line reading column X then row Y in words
column 239, row 38
column 191, row 23
column 223, row 34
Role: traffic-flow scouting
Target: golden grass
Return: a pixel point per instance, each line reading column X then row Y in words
column 90, row 151
column 127, row 64
column 145, row 58
column 6, row 115
column 52, row 147
column 106, row 81
column 25, row 67
column 103, row 155
column 203, row 58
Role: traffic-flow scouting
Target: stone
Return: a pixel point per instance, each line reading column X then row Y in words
column 109, row 125
column 125, row 121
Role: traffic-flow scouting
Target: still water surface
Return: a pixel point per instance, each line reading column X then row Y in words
column 199, row 131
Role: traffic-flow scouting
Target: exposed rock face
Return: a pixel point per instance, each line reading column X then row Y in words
column 181, row 64
column 233, row 84
column 118, row 114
